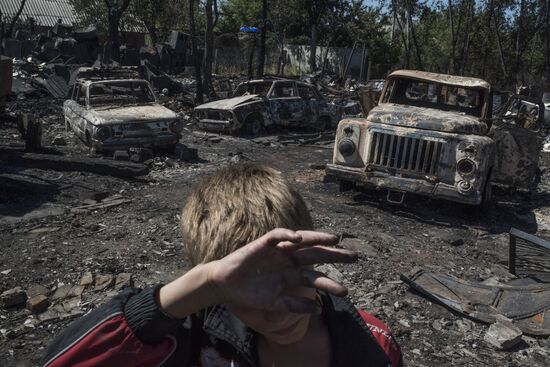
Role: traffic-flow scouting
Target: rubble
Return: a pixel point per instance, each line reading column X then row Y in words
column 13, row 297
column 38, row 304
column 503, row 334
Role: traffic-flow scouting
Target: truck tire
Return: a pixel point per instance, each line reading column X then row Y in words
column 487, row 194
column 345, row 185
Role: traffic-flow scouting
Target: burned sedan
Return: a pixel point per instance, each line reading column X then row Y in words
column 117, row 114
column 258, row 104
column 434, row 135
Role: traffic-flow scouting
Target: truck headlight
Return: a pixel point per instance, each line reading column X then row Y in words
column 346, row 147
column 465, row 167
column 103, row 133
column 176, row 126
column 464, row 187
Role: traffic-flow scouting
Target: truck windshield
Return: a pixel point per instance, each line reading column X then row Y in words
column 438, row 96
column 260, row 88
column 119, row 93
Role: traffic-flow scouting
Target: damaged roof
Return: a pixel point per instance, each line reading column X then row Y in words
column 458, row 81
column 45, row 12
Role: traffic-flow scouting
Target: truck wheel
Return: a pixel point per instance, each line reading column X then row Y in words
column 345, row 185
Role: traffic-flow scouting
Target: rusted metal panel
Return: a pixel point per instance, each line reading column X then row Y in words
column 426, row 118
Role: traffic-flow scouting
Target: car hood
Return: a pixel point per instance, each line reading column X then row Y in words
column 228, row 104
column 427, row 119
column 129, row 114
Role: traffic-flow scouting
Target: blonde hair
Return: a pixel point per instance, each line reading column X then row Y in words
column 237, row 205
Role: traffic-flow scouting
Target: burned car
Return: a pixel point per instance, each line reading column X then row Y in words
column 434, row 135
column 120, row 113
column 258, row 104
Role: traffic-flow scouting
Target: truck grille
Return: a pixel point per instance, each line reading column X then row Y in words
column 404, row 153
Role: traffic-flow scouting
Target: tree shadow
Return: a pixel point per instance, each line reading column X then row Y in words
column 21, row 194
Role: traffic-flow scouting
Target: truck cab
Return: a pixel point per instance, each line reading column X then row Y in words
column 435, row 135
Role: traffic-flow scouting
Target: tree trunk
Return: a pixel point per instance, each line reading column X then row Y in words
column 403, row 37
column 153, row 28
column 547, row 37
column 114, row 15
column 453, row 42
column 313, row 48
column 1, row 32
column 517, row 71
column 281, row 45
column 208, row 49
column 261, row 56
column 499, row 46
column 196, row 59
column 251, row 58
column 415, row 41
column 466, row 42
column 15, row 18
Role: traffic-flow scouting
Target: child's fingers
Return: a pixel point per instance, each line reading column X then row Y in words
column 295, row 277
column 321, row 255
column 296, row 305
column 278, row 235
column 312, row 238
column 318, row 280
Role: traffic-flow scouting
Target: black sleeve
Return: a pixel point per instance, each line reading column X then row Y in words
column 140, row 311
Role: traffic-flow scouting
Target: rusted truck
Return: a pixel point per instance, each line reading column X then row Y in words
column 435, row 135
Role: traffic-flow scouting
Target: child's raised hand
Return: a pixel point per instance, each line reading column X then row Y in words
column 261, row 274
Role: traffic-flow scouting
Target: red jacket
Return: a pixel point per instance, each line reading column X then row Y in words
column 130, row 330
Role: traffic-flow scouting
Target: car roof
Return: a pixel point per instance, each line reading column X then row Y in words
column 102, row 81
column 458, row 81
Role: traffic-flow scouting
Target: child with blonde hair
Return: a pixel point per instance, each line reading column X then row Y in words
column 252, row 297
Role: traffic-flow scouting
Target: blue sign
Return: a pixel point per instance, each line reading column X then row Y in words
column 245, row 29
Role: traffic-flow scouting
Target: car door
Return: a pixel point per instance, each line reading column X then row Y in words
column 73, row 110
column 287, row 107
column 310, row 103
column 518, row 139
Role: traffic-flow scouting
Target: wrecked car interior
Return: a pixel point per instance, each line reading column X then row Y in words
column 417, row 133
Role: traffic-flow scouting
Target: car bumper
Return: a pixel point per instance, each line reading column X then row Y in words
column 142, row 142
column 416, row 186
column 217, row 125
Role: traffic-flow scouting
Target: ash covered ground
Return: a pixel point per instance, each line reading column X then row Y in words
column 55, row 238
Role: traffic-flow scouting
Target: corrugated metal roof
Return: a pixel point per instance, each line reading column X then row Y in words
column 45, row 12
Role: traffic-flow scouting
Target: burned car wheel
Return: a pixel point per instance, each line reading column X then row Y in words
column 254, row 126
column 345, row 185
column 323, row 124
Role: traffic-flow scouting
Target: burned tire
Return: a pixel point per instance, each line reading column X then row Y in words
column 345, row 185
column 323, row 124
column 487, row 195
column 254, row 126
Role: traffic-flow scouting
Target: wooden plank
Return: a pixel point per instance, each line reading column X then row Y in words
column 79, row 164
column 529, row 255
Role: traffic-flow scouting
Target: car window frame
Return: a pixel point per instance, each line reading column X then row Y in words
column 272, row 90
